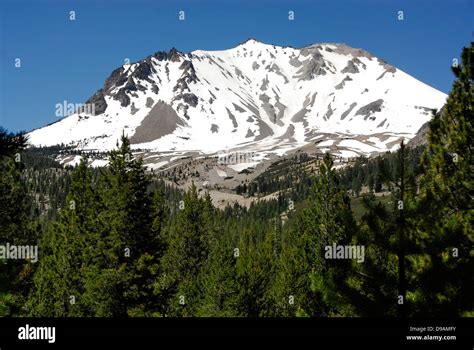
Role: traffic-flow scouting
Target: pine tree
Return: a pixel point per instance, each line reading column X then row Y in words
column 218, row 280
column 15, row 228
column 187, row 251
column 132, row 238
column 379, row 286
column 445, row 202
column 255, row 275
column 67, row 250
column 291, row 290
column 11, row 143
column 372, row 286
column 103, row 254
column 328, row 220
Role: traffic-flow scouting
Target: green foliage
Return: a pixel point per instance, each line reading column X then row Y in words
column 327, row 221
column 118, row 241
column 188, row 250
column 101, row 257
column 444, row 232
column 15, row 227
column 373, row 284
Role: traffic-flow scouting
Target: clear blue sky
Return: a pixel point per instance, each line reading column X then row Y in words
column 69, row 60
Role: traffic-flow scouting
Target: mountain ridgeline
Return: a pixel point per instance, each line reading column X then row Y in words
column 387, row 236
column 254, row 97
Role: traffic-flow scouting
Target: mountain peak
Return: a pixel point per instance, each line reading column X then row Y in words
column 173, row 55
column 250, row 41
column 326, row 96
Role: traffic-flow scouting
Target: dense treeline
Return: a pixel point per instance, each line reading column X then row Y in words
column 380, row 173
column 294, row 176
column 124, row 244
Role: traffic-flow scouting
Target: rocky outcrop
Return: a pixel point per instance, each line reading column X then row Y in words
column 188, row 98
column 126, row 84
column 98, row 101
column 343, row 82
column 346, row 113
column 173, row 55
column 372, row 107
column 312, row 67
column 116, row 78
column 143, row 70
column 350, row 68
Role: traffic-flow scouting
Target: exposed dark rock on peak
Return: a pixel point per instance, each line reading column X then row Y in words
column 329, row 112
column 313, row 67
column 214, row 128
column 186, row 65
column 122, row 97
column 249, row 134
column 359, row 62
column 144, row 70
column 388, row 67
column 98, row 101
column 161, row 55
column 189, row 73
column 295, row 62
column 189, row 76
column 173, row 55
column 343, row 82
column 351, row 107
column 372, row 107
column 116, row 78
column 149, row 102
column 354, row 52
column 188, row 98
column 352, row 66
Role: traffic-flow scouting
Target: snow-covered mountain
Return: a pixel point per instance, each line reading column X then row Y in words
column 254, row 97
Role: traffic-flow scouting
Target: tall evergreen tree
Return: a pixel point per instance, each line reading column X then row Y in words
column 104, row 252
column 188, row 249
column 372, row 286
column 133, row 242
column 379, row 287
column 291, row 290
column 445, row 202
column 67, row 250
column 15, row 226
column 255, row 274
column 328, row 220
column 11, row 143
column 218, row 280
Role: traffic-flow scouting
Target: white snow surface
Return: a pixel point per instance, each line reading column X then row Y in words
column 259, row 98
